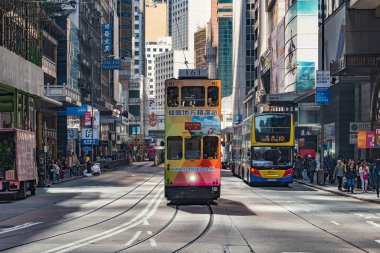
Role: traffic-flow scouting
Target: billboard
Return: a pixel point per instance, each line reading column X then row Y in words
column 301, row 45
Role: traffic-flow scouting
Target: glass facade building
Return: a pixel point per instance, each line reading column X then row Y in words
column 225, row 55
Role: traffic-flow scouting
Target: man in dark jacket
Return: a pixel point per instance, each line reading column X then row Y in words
column 312, row 168
column 351, row 175
column 376, row 176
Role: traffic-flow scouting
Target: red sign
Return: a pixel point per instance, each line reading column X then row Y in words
column 366, row 139
column 192, row 126
column 87, row 118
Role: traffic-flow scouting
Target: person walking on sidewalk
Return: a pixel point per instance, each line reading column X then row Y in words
column 364, row 176
column 339, row 173
column 351, row 175
column 298, row 168
column 312, row 168
column 305, row 167
column 376, row 176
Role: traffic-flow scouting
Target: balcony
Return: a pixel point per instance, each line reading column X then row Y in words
column 49, row 67
column 64, row 94
column 364, row 4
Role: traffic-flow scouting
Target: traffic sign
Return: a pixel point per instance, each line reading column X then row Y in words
column 322, row 87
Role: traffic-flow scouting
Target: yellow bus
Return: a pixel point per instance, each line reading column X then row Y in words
column 192, row 139
column 272, row 149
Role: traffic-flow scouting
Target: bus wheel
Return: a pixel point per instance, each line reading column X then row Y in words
column 22, row 193
column 286, row 184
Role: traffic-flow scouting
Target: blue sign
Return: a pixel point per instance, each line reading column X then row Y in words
column 107, row 42
column 238, row 118
column 112, row 64
column 86, row 149
column 88, row 142
column 322, row 95
column 74, row 111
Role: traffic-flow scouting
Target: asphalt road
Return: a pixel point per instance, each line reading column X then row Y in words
column 125, row 211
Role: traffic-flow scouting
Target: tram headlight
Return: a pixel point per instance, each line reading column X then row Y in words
column 192, row 178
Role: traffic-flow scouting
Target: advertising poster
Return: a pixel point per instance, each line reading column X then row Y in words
column 87, row 118
column 278, row 59
column 305, row 76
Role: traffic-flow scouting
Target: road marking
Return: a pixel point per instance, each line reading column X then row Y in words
column 146, row 223
column 373, row 224
column 139, row 219
column 336, row 223
column 378, row 241
column 152, row 241
column 18, row 227
column 133, row 238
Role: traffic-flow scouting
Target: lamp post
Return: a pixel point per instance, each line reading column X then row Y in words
column 323, row 68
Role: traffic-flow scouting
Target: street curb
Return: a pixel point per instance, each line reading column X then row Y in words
column 339, row 193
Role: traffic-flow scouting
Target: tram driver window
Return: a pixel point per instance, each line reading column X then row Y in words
column 174, row 148
column 172, row 96
column 193, row 96
column 193, row 148
column 210, row 147
column 212, row 96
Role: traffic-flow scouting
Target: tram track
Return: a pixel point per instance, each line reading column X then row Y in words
column 92, row 211
column 170, row 222
column 81, row 228
column 306, row 220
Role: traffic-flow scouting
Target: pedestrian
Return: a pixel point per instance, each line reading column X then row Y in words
column 376, row 176
column 325, row 171
column 358, row 177
column 305, row 168
column 76, row 167
column 56, row 171
column 88, row 166
column 298, row 168
column 364, row 176
column 312, row 168
column 339, row 173
column 351, row 175
column 331, row 163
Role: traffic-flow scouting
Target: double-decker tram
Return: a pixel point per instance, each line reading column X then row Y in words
column 272, row 141
column 192, row 137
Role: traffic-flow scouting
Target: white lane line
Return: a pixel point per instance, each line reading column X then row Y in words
column 152, row 241
column 138, row 233
column 334, row 222
column 374, row 224
column 378, row 241
column 18, row 227
column 139, row 219
column 146, row 223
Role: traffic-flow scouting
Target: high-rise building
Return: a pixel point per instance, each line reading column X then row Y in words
column 139, row 38
column 156, row 19
column 152, row 50
column 200, row 48
column 186, row 17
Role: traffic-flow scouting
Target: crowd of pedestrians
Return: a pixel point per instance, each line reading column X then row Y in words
column 347, row 174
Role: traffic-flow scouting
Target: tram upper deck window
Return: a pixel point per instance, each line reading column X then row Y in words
column 193, row 148
column 174, row 147
column 193, row 96
column 210, row 147
column 172, row 96
column 212, row 96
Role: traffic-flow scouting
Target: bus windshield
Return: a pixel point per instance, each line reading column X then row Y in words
column 272, row 128
column 271, row 156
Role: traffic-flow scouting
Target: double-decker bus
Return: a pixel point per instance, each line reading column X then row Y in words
column 245, row 149
column 192, row 138
column 272, row 141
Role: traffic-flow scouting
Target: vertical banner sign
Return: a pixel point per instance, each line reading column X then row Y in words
column 87, row 118
column 96, row 118
column 107, row 44
column 322, row 87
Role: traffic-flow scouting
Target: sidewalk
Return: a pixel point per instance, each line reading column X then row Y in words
column 370, row 196
column 67, row 176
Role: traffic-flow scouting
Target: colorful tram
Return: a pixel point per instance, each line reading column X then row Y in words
column 192, row 137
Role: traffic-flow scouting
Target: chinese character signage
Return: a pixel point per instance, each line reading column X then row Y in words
column 107, row 43
column 112, row 64
column 322, row 87
column 87, row 136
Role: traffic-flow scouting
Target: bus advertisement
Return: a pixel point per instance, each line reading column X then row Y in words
column 272, row 141
column 192, row 139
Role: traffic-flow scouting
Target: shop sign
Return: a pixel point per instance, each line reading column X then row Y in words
column 359, row 126
column 366, row 139
column 72, row 133
column 88, row 137
column 354, row 138
column 322, row 87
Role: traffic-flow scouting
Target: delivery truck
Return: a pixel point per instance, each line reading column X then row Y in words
column 18, row 171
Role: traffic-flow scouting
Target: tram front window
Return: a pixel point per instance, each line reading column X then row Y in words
column 193, row 148
column 174, row 148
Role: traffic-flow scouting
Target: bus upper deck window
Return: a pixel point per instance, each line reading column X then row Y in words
column 174, row 148
column 172, row 97
column 212, row 96
column 193, row 96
